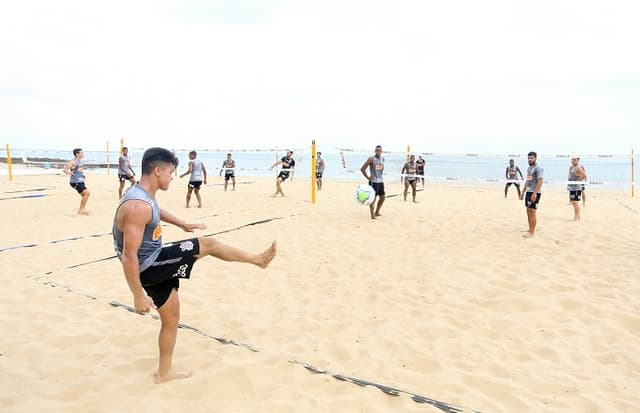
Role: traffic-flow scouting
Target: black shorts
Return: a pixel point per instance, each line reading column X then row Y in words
column 283, row 175
column 513, row 183
column 378, row 187
column 529, row 203
column 575, row 195
column 175, row 261
column 229, row 175
column 318, row 174
column 78, row 186
column 195, row 184
column 123, row 178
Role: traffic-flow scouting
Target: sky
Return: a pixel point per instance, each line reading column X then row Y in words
column 456, row 76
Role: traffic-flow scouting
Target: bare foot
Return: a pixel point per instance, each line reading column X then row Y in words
column 83, row 212
column 172, row 375
column 268, row 255
column 528, row 235
column 378, row 214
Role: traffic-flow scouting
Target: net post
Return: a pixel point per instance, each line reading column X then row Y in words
column 8, row 149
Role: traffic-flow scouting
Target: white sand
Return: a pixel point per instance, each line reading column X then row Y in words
column 443, row 298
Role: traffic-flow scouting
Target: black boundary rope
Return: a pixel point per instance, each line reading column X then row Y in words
column 30, row 190
column 23, row 196
column 55, row 241
column 392, row 391
column 392, row 195
column 263, row 221
column 221, row 340
column 445, row 407
column 628, row 207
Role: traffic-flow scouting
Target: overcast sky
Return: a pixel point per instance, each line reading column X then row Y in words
column 443, row 76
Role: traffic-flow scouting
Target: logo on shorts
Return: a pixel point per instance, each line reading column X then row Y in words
column 186, row 246
column 182, row 271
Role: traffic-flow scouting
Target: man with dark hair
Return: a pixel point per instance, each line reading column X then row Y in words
column 319, row 170
column 576, row 173
column 229, row 168
column 375, row 164
column 288, row 166
column 198, row 175
column 511, row 173
column 533, row 185
column 125, row 172
column 154, row 268
column 75, row 169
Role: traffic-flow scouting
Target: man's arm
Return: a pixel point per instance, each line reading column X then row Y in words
column 188, row 171
column 275, row 164
column 538, row 186
column 506, row 172
column 204, row 173
column 132, row 217
column 520, row 172
column 168, row 217
column 67, row 168
column 365, row 165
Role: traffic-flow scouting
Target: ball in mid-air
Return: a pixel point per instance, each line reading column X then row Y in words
column 364, row 194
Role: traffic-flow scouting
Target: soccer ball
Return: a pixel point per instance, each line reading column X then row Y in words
column 364, row 194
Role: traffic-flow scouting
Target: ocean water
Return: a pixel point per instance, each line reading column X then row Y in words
column 605, row 170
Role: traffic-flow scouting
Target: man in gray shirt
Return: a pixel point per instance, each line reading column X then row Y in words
column 125, row 172
column 532, row 195
column 375, row 164
column 576, row 173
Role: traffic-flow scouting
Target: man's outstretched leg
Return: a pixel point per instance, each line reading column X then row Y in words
column 215, row 248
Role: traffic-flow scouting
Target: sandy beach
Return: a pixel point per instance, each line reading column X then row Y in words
column 442, row 299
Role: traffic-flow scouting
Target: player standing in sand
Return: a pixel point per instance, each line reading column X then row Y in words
column 511, row 173
column 288, row 166
column 533, row 185
column 576, row 174
column 75, row 169
column 375, row 164
column 198, row 176
column 408, row 174
column 229, row 168
column 125, row 172
column 150, row 266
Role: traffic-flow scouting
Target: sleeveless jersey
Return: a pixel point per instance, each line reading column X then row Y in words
column 573, row 176
column 319, row 167
column 77, row 175
column 196, row 172
column 152, row 235
column 411, row 169
column 512, row 172
column 376, row 168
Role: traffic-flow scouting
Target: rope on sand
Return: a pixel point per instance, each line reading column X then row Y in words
column 55, row 241
column 263, row 221
column 221, row 340
column 628, row 207
column 392, row 391
column 445, row 407
column 24, row 196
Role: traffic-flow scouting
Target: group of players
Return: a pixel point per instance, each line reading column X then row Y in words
column 153, row 270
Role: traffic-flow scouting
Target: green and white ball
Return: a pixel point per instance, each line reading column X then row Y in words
column 364, row 194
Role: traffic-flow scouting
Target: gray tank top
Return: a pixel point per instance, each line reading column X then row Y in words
column 376, row 168
column 77, row 173
column 319, row 167
column 124, row 166
column 152, row 235
column 574, row 177
column 196, row 172
column 512, row 172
